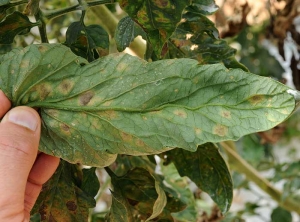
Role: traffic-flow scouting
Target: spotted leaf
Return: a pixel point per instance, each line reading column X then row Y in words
column 207, row 169
column 120, row 104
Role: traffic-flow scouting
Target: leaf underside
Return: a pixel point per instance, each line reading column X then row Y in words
column 120, row 104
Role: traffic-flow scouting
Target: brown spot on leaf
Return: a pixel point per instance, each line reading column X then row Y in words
column 161, row 3
column 65, row 128
column 86, row 97
column 139, row 143
column 109, row 114
column 126, row 137
column 44, row 90
column 52, row 112
column 254, row 100
column 65, row 86
column 220, row 130
column 42, row 48
column 107, row 103
column 24, row 64
column 181, row 113
column 198, row 130
column 226, row 114
column 71, row 205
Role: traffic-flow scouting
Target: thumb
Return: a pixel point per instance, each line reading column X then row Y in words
column 19, row 139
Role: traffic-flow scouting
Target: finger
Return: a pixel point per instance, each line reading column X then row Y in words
column 4, row 104
column 19, row 139
column 43, row 168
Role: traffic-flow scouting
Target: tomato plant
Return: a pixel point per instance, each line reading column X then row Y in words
column 183, row 99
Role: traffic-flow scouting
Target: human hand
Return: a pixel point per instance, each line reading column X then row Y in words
column 23, row 170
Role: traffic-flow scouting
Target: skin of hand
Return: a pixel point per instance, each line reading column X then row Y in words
column 23, row 170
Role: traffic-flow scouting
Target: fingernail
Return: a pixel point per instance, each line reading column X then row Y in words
column 23, row 117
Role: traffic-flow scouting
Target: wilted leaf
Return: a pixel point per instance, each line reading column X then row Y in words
column 122, row 105
column 62, row 197
column 126, row 32
column 14, row 24
column 208, row 170
column 157, row 17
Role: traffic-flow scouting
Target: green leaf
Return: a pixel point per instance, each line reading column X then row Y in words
column 89, row 42
column 14, row 24
column 279, row 215
column 126, row 31
column 181, row 186
column 90, row 182
column 208, row 170
column 62, row 197
column 158, row 18
column 198, row 38
column 3, row 11
column 123, row 105
column 138, row 195
column 206, row 7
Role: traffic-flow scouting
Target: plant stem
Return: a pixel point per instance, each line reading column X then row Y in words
column 110, row 22
column 56, row 13
column 42, row 26
column 241, row 166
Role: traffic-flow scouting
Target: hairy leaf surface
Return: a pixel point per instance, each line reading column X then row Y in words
column 208, row 170
column 120, row 104
column 63, row 198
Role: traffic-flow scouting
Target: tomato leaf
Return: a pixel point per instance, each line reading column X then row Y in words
column 157, row 18
column 140, row 196
column 14, row 24
column 120, row 104
column 89, row 42
column 62, row 197
column 208, row 170
column 197, row 37
column 126, row 32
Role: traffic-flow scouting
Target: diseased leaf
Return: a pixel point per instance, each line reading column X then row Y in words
column 197, row 37
column 126, row 31
column 208, row 170
column 140, row 197
column 62, row 197
column 14, row 24
column 123, row 105
column 157, row 18
column 89, row 42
